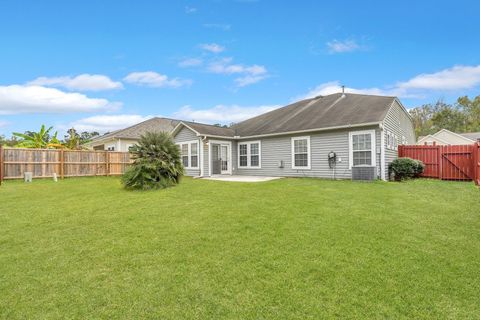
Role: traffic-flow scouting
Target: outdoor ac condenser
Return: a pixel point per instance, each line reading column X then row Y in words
column 364, row 173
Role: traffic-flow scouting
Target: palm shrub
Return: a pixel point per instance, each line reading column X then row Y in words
column 405, row 168
column 156, row 163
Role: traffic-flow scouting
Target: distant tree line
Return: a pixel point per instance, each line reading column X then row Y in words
column 461, row 116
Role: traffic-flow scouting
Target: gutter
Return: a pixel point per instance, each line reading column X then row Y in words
column 376, row 123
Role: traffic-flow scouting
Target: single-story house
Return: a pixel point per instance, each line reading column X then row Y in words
column 447, row 137
column 122, row 140
column 334, row 136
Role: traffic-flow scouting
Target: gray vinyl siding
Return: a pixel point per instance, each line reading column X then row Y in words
column 398, row 122
column 275, row 149
column 184, row 135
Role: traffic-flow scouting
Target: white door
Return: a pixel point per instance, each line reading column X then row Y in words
column 224, row 158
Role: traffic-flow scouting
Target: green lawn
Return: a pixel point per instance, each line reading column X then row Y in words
column 285, row 249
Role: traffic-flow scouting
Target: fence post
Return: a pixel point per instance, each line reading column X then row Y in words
column 62, row 164
column 400, row 151
column 1, row 164
column 107, row 164
column 439, row 161
column 476, row 162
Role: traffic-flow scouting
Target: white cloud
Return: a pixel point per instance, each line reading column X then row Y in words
column 335, row 87
column 455, row 78
column 189, row 9
column 106, row 123
column 15, row 99
column 248, row 74
column 83, row 82
column 190, row 62
column 212, row 47
column 4, row 123
column 222, row 113
column 336, row 46
column 154, row 79
column 248, row 80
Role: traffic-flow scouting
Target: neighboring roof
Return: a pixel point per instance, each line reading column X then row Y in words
column 431, row 138
column 471, row 135
column 334, row 110
column 209, row 130
column 135, row 131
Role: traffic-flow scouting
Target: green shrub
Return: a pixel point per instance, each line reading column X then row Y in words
column 157, row 163
column 405, row 168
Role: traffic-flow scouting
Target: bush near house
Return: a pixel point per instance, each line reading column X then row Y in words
column 156, row 165
column 405, row 168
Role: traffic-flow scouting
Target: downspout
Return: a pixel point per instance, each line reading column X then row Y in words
column 382, row 153
column 202, row 170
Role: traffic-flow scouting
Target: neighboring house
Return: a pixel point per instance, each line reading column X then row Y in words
column 122, row 140
column 447, row 137
column 363, row 131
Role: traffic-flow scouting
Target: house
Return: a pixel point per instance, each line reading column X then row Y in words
column 447, row 137
column 326, row 136
column 122, row 140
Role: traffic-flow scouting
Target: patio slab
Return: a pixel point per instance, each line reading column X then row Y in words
column 241, row 178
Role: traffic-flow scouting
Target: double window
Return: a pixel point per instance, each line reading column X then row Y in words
column 189, row 153
column 301, row 153
column 249, row 154
column 362, row 148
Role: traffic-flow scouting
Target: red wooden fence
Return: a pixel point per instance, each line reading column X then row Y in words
column 459, row 162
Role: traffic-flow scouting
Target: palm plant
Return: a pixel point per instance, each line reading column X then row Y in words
column 39, row 139
column 157, row 163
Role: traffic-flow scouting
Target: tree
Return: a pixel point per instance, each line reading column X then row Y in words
column 74, row 141
column 463, row 116
column 8, row 142
column 40, row 139
column 157, row 163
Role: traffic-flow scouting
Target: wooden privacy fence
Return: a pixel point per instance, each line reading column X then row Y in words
column 43, row 163
column 458, row 162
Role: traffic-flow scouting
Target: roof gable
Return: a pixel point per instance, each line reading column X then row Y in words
column 134, row 132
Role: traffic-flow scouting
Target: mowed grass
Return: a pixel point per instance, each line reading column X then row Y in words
column 285, row 249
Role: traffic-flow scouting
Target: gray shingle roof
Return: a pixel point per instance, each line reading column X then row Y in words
column 210, row 130
column 135, row 131
column 318, row 113
column 471, row 135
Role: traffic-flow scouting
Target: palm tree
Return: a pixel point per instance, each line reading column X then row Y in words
column 157, row 163
column 39, row 139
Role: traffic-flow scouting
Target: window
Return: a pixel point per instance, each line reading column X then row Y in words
column 243, row 162
column 388, row 140
column 362, row 148
column 185, row 155
column 249, row 154
column 404, row 140
column 254, row 155
column 194, row 155
column 189, row 153
column 111, row 148
column 395, row 142
column 301, row 153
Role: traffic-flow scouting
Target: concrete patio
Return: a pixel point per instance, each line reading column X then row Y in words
column 240, row 178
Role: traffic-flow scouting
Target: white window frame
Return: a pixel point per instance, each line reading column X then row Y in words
column 249, row 158
column 388, row 140
column 309, row 153
column 189, row 144
column 395, row 142
column 373, row 147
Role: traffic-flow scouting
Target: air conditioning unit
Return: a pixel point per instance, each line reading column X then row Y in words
column 364, row 173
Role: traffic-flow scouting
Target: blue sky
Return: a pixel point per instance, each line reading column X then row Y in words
column 103, row 65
